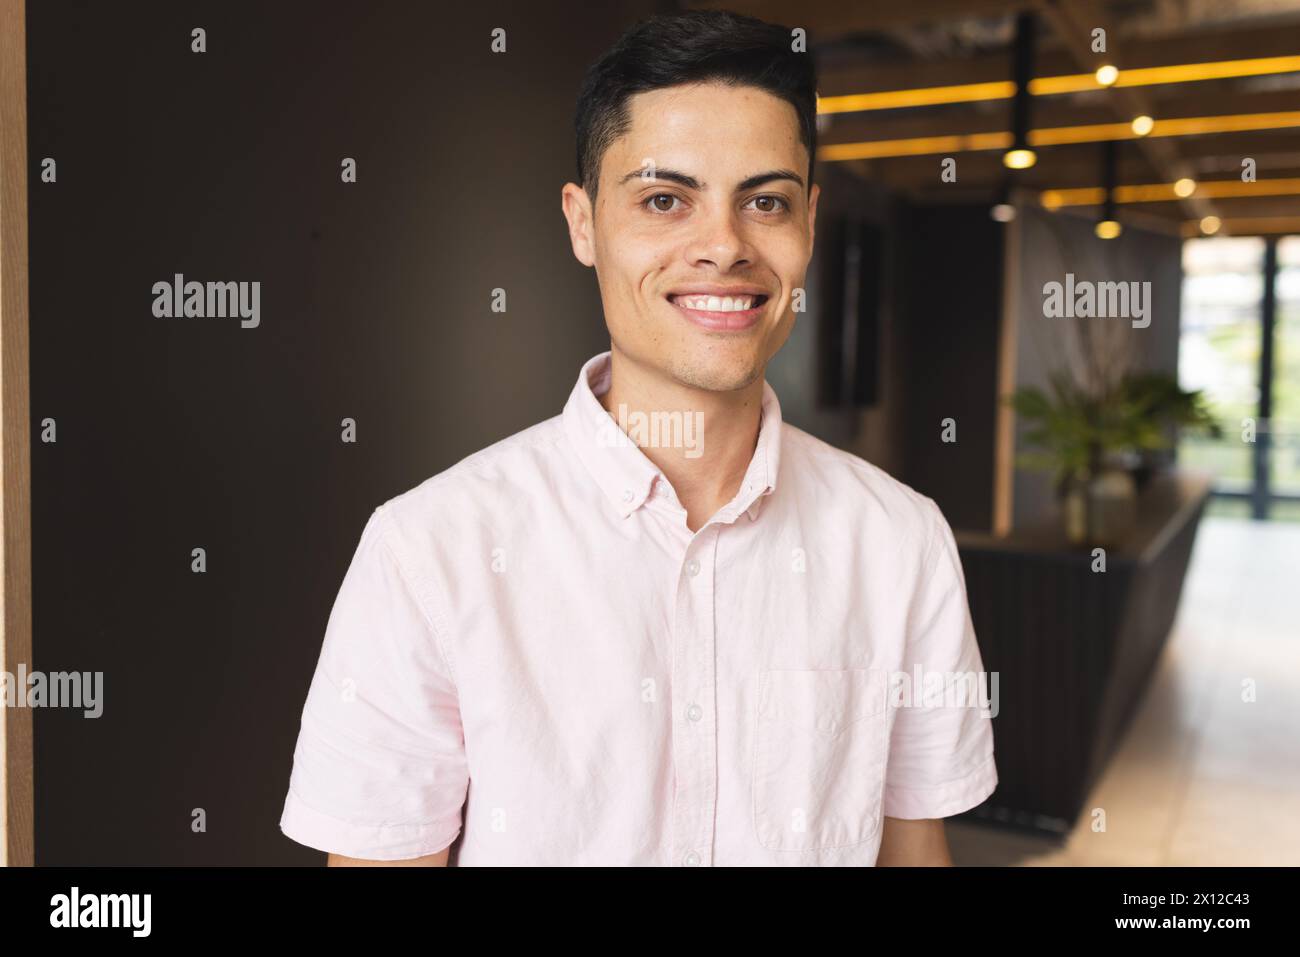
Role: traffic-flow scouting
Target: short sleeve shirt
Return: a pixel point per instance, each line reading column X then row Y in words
column 532, row 654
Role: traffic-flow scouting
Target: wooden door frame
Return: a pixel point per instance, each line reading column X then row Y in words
column 17, row 837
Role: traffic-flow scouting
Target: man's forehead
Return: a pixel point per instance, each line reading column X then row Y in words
column 681, row 127
column 714, row 104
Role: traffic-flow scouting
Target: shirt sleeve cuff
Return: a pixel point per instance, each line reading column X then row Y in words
column 944, row 800
column 383, row 842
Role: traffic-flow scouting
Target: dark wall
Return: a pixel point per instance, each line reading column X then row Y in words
column 798, row 371
column 1047, row 247
column 950, row 300
column 174, row 434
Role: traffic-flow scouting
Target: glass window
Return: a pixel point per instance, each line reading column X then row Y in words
column 1219, row 346
column 1284, row 474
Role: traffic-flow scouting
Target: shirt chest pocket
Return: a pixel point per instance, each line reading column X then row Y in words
column 820, row 750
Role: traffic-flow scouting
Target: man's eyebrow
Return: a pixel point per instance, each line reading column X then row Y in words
column 670, row 175
column 690, row 182
column 771, row 175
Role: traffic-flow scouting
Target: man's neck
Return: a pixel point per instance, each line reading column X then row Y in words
column 707, row 474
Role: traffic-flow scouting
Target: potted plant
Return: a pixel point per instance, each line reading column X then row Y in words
column 1157, row 397
column 1081, row 438
column 1096, row 443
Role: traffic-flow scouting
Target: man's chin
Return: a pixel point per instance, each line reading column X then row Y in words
column 700, row 362
column 728, row 376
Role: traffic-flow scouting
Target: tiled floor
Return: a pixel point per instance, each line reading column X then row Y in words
column 1202, row 777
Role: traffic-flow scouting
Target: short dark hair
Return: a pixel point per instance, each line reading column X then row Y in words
column 692, row 47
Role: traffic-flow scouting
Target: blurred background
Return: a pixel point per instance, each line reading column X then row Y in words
column 1125, row 490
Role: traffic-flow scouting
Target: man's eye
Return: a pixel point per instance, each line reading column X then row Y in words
column 770, row 204
column 661, row 202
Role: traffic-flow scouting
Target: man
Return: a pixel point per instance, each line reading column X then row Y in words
column 660, row 627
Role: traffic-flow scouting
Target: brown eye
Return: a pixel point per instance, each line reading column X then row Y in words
column 769, row 204
column 662, row 202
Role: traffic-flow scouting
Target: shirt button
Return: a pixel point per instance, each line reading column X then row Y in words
column 692, row 568
column 691, row 860
column 628, row 495
column 694, row 712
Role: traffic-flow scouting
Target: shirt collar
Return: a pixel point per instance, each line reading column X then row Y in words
column 622, row 470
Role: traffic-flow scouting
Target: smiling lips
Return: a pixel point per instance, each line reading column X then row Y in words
column 720, row 313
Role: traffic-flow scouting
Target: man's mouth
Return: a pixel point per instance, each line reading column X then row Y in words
column 720, row 313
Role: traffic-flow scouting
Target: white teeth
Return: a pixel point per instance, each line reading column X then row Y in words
column 717, row 303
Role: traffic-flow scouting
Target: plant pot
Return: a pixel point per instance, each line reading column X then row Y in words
column 1100, row 508
column 1149, row 463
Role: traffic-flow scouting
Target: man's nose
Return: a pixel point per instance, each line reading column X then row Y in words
column 719, row 240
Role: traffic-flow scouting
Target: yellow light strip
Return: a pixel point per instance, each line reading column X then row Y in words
column 1056, row 136
column 1091, row 133
column 914, row 147
column 930, row 96
column 1055, row 85
column 1247, row 225
column 1164, row 192
column 1220, row 70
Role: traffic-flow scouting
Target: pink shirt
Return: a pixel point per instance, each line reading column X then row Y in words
column 532, row 648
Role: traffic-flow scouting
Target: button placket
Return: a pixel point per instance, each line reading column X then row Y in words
column 695, row 747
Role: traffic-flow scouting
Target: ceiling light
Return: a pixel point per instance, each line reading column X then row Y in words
column 1019, row 159
column 1020, row 156
column 1108, row 226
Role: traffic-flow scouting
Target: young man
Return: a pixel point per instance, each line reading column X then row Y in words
column 605, row 642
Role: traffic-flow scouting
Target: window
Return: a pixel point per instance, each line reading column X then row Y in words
column 1241, row 346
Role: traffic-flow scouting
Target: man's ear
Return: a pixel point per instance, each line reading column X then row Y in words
column 812, row 213
column 577, row 210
